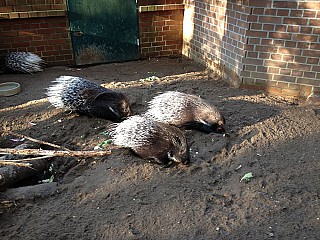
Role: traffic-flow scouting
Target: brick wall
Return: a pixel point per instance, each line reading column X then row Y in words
column 283, row 49
column 214, row 34
column 38, row 26
column 270, row 45
column 160, row 27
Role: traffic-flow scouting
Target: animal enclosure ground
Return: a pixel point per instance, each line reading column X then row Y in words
column 121, row 196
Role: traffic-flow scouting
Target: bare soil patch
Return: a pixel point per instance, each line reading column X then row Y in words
column 121, row 196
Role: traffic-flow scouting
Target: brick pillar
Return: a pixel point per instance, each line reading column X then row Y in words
column 160, row 27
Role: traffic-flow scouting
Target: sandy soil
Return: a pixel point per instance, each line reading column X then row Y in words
column 121, row 196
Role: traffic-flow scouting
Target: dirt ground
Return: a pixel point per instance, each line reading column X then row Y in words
column 121, row 196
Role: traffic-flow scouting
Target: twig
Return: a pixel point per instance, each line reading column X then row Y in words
column 26, row 159
column 54, row 152
column 3, row 162
column 38, row 141
column 20, row 162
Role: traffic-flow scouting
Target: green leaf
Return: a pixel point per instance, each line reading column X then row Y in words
column 247, row 177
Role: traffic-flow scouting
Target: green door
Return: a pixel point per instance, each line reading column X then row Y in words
column 103, row 30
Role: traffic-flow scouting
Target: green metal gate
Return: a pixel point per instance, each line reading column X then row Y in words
column 103, row 30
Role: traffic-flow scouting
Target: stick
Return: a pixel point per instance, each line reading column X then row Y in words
column 54, row 152
column 20, row 162
column 26, row 159
column 38, row 141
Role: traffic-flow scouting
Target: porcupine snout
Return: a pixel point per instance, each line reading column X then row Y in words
column 180, row 152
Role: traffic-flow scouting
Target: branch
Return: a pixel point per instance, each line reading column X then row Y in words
column 56, row 153
column 38, row 141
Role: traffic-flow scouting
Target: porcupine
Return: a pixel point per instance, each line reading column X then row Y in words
column 149, row 139
column 88, row 98
column 185, row 110
column 21, row 62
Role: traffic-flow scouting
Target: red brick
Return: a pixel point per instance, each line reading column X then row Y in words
column 23, row 8
column 309, row 5
column 260, row 75
column 296, row 13
column 256, row 26
column 293, row 29
column 253, row 18
column 275, row 63
column 254, row 40
column 272, row 12
column 264, row 55
column 266, row 19
column 262, row 69
column 255, row 3
column 314, row 22
column 250, row 67
column 252, row 61
column 298, row 66
column 285, row 4
column 281, row 28
column 258, row 11
column 309, row 74
column 315, row 46
column 41, row 7
column 267, row 41
column 280, row 35
column 283, row 12
column 306, row 30
column 268, row 27
column 305, row 37
column 262, row 82
column 287, row 58
column 22, row 44
column 296, row 73
column 276, row 56
column 284, row 78
column 316, row 30
column 311, row 53
column 316, row 68
column 309, row 13
column 273, row 70
column 296, row 21
column 285, row 71
column 292, row 51
column 300, row 59
column 269, row 49
column 304, row 45
column 307, row 81
column 252, row 54
column 313, row 61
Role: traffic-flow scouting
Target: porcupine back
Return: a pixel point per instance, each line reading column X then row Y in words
column 181, row 109
column 151, row 140
column 21, row 62
column 88, row 98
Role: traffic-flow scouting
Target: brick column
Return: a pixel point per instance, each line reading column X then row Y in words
column 160, row 27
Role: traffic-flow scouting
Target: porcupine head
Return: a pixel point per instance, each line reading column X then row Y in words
column 209, row 117
column 113, row 106
column 151, row 140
